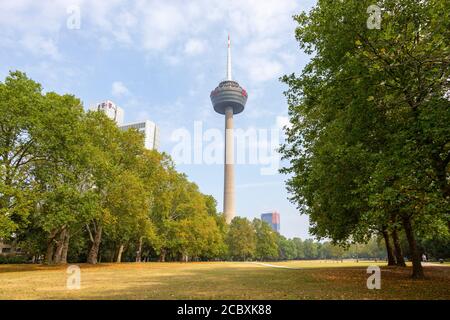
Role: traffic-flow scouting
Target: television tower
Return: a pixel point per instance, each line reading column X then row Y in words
column 229, row 98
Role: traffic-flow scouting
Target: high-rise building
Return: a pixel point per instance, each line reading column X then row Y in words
column 148, row 128
column 113, row 111
column 272, row 218
column 229, row 98
column 150, row 131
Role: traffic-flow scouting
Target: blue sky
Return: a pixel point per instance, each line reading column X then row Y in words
column 159, row 60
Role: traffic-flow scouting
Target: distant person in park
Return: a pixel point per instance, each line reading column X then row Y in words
column 424, row 257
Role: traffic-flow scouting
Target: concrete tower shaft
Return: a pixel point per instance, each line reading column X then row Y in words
column 229, row 208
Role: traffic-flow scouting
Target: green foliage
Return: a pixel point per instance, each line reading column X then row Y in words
column 241, row 239
column 22, row 116
column 14, row 259
column 287, row 248
column 266, row 241
column 369, row 143
column 437, row 248
column 368, row 147
column 72, row 182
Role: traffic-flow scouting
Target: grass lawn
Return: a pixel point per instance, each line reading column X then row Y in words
column 222, row 280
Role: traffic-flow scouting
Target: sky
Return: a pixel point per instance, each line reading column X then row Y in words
column 159, row 60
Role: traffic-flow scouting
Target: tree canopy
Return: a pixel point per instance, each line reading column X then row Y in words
column 369, row 145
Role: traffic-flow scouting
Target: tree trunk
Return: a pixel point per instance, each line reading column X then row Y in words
column 65, row 248
column 139, row 252
column 398, row 249
column 119, row 254
column 59, row 246
column 184, row 257
column 49, row 253
column 50, row 247
column 112, row 254
column 93, row 252
column 389, row 250
column 415, row 255
column 162, row 256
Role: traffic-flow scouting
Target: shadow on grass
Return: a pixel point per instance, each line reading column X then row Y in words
column 4, row 268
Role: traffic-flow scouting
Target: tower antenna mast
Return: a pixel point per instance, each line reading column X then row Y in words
column 229, row 60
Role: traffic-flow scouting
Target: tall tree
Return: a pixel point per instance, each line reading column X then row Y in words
column 266, row 241
column 58, row 180
column 287, row 249
column 241, row 239
column 129, row 207
column 107, row 160
column 22, row 118
column 363, row 143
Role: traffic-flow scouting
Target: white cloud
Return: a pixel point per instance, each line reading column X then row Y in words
column 127, row 19
column 258, row 46
column 119, row 89
column 164, row 29
column 162, row 23
column 40, row 46
column 261, row 69
column 194, row 47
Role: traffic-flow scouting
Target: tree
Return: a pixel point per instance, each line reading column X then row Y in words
column 287, row 248
column 186, row 221
column 153, row 168
column 129, row 206
column 106, row 147
column 362, row 147
column 22, row 117
column 41, row 158
column 266, row 241
column 310, row 249
column 436, row 248
column 299, row 248
column 241, row 239
column 59, row 179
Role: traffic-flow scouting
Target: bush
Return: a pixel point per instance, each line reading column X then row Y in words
column 13, row 259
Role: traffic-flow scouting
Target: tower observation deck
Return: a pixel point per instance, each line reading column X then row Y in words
column 229, row 98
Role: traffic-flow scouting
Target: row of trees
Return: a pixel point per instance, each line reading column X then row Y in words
column 369, row 145
column 72, row 183
column 256, row 240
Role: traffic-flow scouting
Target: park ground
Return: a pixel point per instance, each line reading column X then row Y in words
column 223, row 280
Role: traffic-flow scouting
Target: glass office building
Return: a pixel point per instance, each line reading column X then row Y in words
column 273, row 219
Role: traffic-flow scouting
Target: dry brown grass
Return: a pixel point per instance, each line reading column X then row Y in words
column 222, row 280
